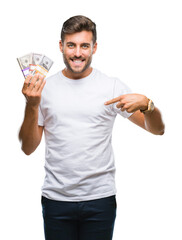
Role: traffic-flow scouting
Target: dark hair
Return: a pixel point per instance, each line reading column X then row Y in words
column 77, row 24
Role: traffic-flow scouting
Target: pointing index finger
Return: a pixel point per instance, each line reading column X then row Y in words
column 114, row 100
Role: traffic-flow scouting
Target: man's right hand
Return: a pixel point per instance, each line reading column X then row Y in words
column 32, row 89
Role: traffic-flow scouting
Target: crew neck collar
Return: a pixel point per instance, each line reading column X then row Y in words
column 75, row 81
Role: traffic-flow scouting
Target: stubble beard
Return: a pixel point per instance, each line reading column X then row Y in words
column 68, row 66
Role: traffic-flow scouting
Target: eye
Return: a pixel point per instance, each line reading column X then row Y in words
column 70, row 45
column 85, row 46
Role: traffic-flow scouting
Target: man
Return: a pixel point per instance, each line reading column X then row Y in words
column 76, row 110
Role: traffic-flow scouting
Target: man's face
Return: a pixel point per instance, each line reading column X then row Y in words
column 77, row 50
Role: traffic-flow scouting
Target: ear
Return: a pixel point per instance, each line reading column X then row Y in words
column 61, row 46
column 95, row 48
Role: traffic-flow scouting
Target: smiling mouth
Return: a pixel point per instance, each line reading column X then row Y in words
column 77, row 60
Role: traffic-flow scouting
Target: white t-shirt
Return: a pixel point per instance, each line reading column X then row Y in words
column 79, row 159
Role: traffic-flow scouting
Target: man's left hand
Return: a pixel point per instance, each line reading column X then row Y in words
column 130, row 102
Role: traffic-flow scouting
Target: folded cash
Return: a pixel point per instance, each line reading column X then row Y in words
column 24, row 63
column 43, row 66
column 36, row 58
column 33, row 63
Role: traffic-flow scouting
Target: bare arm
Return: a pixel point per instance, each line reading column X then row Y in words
column 133, row 103
column 152, row 122
column 30, row 133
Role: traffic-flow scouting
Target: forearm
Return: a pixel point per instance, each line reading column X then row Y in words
column 153, row 122
column 29, row 134
column 150, row 119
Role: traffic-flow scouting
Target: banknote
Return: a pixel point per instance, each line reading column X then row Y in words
column 24, row 63
column 43, row 66
column 36, row 59
column 33, row 63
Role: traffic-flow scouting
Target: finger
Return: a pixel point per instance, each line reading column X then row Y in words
column 38, row 83
column 26, row 82
column 129, row 109
column 42, row 85
column 123, row 109
column 114, row 100
column 34, row 81
column 120, row 104
column 126, row 109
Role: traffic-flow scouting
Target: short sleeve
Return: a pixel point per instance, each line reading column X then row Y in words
column 40, row 117
column 120, row 89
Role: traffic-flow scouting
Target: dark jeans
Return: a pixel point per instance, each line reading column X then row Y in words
column 87, row 220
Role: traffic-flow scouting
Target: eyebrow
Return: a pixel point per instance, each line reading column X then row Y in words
column 69, row 43
column 75, row 44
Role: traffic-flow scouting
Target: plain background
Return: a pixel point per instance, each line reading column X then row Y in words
column 139, row 42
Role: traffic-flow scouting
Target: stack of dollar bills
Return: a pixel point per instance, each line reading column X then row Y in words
column 33, row 63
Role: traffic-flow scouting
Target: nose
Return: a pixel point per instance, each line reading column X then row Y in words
column 77, row 52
